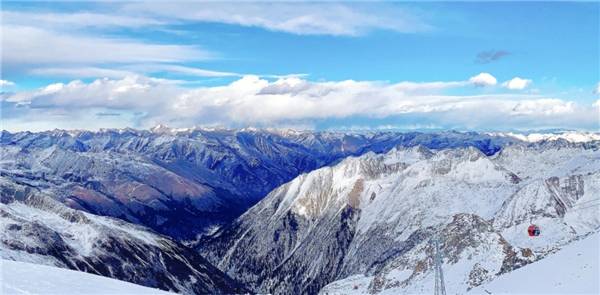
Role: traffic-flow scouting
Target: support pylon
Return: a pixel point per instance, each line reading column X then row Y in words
column 440, row 287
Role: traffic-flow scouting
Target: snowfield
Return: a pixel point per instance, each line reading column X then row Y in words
column 573, row 270
column 20, row 278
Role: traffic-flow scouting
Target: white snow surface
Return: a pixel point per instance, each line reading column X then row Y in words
column 573, row 270
column 20, row 278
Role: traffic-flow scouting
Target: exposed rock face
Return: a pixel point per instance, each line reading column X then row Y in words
column 366, row 224
column 36, row 228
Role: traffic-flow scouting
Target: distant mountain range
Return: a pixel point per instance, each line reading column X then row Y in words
column 182, row 183
column 226, row 211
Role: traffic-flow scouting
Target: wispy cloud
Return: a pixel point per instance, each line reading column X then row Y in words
column 326, row 18
column 72, row 45
column 296, row 18
column 87, row 44
column 122, row 71
column 29, row 45
column 179, row 69
column 489, row 56
column 80, row 72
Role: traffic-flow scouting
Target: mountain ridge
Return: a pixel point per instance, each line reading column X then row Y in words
column 135, row 175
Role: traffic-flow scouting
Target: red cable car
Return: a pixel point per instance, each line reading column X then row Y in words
column 533, row 230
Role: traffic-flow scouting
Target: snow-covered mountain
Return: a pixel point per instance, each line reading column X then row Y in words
column 366, row 225
column 343, row 212
column 182, row 182
column 20, row 278
column 35, row 228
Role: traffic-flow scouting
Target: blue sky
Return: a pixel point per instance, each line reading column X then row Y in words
column 371, row 65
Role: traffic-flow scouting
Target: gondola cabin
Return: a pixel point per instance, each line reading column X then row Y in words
column 533, row 230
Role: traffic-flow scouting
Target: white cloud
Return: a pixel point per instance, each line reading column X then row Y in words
column 296, row 18
column 483, row 79
column 6, row 83
column 132, row 92
column 517, row 83
column 28, row 45
column 597, row 89
column 295, row 101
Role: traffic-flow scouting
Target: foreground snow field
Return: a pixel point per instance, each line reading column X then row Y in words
column 573, row 270
column 18, row 278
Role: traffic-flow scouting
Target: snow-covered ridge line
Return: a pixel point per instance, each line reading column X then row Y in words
column 530, row 137
column 571, row 136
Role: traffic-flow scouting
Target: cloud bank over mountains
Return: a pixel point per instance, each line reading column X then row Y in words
column 142, row 102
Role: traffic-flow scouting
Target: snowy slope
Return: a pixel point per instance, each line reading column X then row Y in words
column 20, row 278
column 35, row 228
column 573, row 270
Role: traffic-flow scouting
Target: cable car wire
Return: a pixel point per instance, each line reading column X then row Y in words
column 581, row 208
column 588, row 201
column 585, row 205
